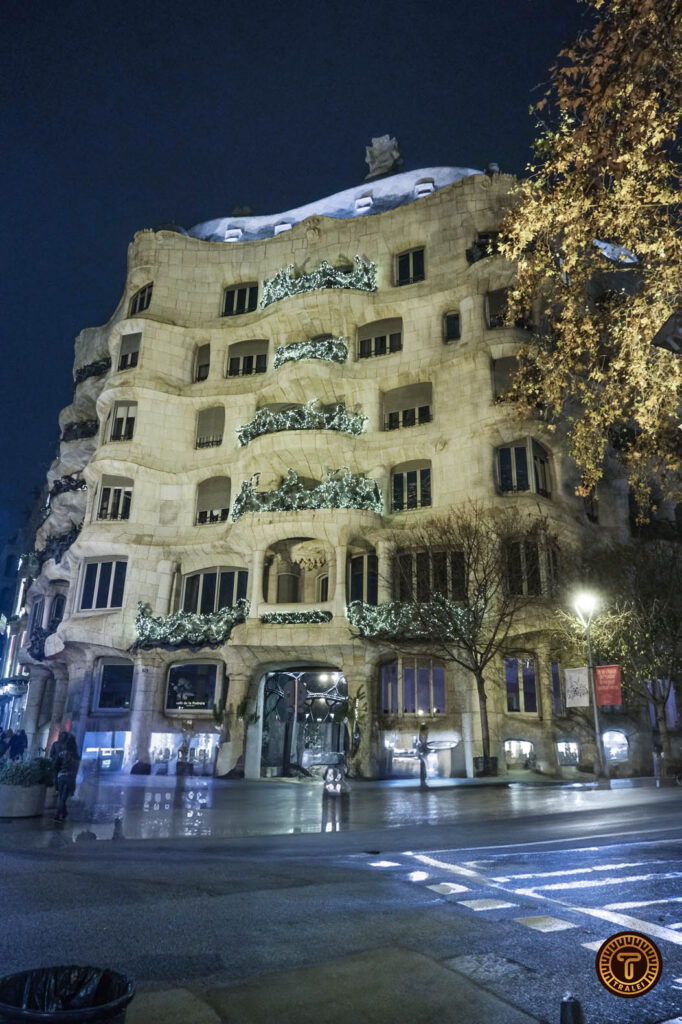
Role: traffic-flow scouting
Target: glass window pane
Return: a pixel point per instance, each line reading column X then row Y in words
column 372, row 579
column 452, row 327
column 116, row 686
column 521, row 460
column 365, row 348
column 241, row 300
column 253, row 297
column 412, row 488
column 404, row 268
column 529, row 694
column 191, row 687
column 247, row 365
column 395, row 342
column 119, row 584
column 418, row 265
column 511, row 668
column 261, row 363
column 440, row 573
column 226, row 590
column 409, row 417
column 235, row 366
column 102, row 599
column 404, row 581
column 458, row 575
column 408, row 689
column 229, row 302
column 506, row 478
column 242, row 581
column 423, row 580
column 398, row 492
column 532, row 568
column 189, row 603
column 425, row 486
column 380, row 345
column 357, row 578
column 438, row 689
column 208, row 593
column 424, row 689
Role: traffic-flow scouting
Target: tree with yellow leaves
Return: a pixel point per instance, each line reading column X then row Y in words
column 596, row 233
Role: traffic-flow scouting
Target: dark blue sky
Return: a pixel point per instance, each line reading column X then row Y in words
column 118, row 116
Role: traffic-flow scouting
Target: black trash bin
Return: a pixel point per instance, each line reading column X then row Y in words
column 65, row 995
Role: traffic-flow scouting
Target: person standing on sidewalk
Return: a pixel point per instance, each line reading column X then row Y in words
column 66, row 768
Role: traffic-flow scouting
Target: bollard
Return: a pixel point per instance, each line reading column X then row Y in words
column 571, row 1012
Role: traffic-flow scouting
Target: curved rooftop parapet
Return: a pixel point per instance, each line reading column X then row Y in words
column 370, row 197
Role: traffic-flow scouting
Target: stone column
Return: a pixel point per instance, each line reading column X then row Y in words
column 255, row 587
column 61, row 686
column 366, row 761
column 385, row 550
column 149, row 675
column 234, row 726
column 339, row 599
column 34, row 698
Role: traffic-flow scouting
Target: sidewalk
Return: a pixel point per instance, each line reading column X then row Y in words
column 383, row 986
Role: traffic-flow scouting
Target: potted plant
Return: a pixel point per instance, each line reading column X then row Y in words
column 23, row 786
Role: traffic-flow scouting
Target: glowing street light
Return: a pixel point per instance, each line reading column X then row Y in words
column 585, row 605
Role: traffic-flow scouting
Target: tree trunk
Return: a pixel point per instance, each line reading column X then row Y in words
column 664, row 735
column 483, row 711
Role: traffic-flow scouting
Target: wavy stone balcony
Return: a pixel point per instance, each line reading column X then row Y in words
column 186, row 629
column 310, row 416
column 341, row 489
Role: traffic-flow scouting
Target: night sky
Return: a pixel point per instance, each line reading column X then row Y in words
column 118, row 116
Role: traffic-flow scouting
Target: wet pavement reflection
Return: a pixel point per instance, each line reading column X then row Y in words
column 118, row 806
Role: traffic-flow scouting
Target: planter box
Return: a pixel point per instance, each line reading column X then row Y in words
column 22, row 801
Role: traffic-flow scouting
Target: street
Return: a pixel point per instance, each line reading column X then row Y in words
column 386, row 915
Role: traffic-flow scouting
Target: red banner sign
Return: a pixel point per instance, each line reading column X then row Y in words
column 607, row 684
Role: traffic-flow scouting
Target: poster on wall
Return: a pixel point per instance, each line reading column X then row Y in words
column 608, row 685
column 191, row 688
column 577, row 688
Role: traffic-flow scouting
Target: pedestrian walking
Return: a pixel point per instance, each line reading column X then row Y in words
column 24, row 741
column 422, row 746
column 15, row 748
column 66, row 766
column 5, row 738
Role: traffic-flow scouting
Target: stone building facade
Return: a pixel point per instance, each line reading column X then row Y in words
column 188, row 603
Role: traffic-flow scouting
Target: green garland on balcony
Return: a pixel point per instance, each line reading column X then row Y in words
column 186, row 629
column 400, row 620
column 302, row 417
column 333, row 350
column 361, row 278
column 294, row 618
column 341, row 489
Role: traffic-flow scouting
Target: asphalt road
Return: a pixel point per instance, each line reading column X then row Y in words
column 209, row 911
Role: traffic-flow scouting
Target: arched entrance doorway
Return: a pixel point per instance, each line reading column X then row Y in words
column 304, row 713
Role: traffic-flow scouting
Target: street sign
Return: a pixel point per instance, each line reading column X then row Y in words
column 577, row 688
column 607, row 685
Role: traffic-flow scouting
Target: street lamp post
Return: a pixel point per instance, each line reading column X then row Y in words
column 585, row 606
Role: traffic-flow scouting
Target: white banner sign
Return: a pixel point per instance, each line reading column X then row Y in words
column 577, row 688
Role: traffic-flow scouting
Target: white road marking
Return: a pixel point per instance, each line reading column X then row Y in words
column 545, row 923
column 576, row 839
column 645, row 903
column 588, row 883
column 635, row 924
column 596, row 946
column 456, row 869
column 583, row 871
column 384, row 864
column 486, row 904
column 448, row 888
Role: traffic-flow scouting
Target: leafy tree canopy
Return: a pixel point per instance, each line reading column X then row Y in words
column 596, row 233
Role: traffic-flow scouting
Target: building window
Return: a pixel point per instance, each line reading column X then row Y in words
column 496, row 308
column 451, row 328
column 240, row 298
column 362, row 578
column 56, row 612
column 513, row 463
column 36, row 616
column 487, row 244
column 411, row 486
column 115, row 497
column 210, row 590
column 289, row 586
column 409, row 267
column 523, row 568
column 615, row 745
column 521, row 689
column 103, row 584
column 557, row 696
column 418, row 575
column 123, row 421
column 412, row 686
column 202, row 362
column 247, row 357
column 213, row 500
column 407, row 406
column 322, row 588
column 141, row 299
column 210, row 427
column 502, row 371
column 129, row 352
column 115, row 685
column 192, row 688
column 380, row 338
column 568, row 752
